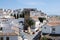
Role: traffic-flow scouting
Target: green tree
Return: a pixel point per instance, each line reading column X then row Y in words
column 15, row 16
column 41, row 19
column 44, row 38
column 30, row 23
column 22, row 15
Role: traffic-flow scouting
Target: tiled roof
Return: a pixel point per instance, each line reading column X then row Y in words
column 53, row 19
column 14, row 33
column 53, row 23
column 8, row 34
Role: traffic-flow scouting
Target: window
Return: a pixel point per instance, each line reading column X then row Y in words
column 7, row 38
column 53, row 29
column 44, row 27
column 1, row 38
column 0, row 28
column 20, row 21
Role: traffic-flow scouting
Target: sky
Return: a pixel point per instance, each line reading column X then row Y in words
column 50, row 7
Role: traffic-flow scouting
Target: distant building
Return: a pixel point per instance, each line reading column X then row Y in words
column 33, row 14
column 1, row 11
column 38, row 14
column 13, row 22
column 52, row 27
column 9, row 30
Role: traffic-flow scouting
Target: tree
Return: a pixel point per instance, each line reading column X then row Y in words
column 15, row 16
column 11, row 15
column 30, row 23
column 41, row 19
column 44, row 38
column 22, row 14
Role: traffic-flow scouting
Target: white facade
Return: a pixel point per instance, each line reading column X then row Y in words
column 7, row 29
column 36, row 26
column 38, row 14
column 57, row 29
column 7, row 23
column 51, row 29
column 11, row 37
column 34, row 13
column 9, row 26
column 17, row 22
column 46, row 29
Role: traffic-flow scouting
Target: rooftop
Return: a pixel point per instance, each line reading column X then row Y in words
column 54, row 19
column 8, row 34
column 56, row 23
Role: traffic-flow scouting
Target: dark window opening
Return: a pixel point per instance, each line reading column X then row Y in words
column 45, row 27
column 41, row 19
column 20, row 21
column 53, row 29
column 7, row 38
column 0, row 28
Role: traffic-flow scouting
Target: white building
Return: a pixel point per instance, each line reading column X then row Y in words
column 36, row 27
column 51, row 28
column 9, row 27
column 9, row 31
column 37, row 14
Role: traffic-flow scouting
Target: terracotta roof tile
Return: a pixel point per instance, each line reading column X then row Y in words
column 53, row 23
column 7, row 34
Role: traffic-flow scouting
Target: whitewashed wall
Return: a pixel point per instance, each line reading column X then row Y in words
column 57, row 29
column 7, row 30
column 16, row 21
column 37, row 24
column 34, row 13
column 46, row 29
column 12, row 37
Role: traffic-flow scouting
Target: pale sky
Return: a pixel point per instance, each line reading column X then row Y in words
column 51, row 7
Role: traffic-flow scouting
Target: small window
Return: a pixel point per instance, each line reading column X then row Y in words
column 0, row 28
column 53, row 29
column 44, row 27
column 7, row 38
column 20, row 21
